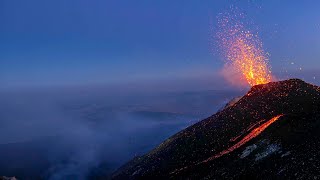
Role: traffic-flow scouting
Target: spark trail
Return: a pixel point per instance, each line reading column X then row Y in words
column 242, row 49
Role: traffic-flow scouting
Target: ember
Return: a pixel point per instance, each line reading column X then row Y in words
column 242, row 49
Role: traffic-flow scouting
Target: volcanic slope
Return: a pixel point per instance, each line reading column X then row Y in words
column 272, row 132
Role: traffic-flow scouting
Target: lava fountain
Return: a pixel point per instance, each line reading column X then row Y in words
column 242, row 49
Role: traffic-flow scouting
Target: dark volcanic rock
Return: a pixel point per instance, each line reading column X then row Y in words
column 286, row 148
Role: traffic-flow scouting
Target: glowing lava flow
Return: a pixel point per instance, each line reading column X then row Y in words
column 247, row 138
column 254, row 133
column 243, row 50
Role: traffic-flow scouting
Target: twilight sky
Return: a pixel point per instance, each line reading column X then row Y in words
column 66, row 43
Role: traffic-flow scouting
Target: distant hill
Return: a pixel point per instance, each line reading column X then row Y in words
column 272, row 132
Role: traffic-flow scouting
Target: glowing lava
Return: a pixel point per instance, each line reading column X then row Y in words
column 254, row 133
column 243, row 50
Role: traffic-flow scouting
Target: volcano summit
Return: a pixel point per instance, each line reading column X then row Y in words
column 271, row 132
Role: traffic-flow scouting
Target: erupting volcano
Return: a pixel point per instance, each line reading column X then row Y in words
column 242, row 49
column 272, row 132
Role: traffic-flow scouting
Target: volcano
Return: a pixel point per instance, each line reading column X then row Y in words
column 272, row 132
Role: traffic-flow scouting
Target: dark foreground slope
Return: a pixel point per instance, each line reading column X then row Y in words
column 271, row 132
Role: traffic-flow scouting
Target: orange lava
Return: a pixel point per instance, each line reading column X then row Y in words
column 243, row 50
column 247, row 138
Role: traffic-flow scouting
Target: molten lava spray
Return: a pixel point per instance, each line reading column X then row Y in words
column 242, row 49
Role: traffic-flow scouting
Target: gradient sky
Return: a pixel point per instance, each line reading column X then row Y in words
column 84, row 42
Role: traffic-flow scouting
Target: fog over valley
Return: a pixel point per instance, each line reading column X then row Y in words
column 65, row 134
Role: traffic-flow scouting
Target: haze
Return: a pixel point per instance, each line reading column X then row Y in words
column 87, row 85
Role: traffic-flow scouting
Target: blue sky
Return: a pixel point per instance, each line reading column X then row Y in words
column 63, row 43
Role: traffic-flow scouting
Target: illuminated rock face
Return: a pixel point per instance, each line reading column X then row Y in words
column 271, row 132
